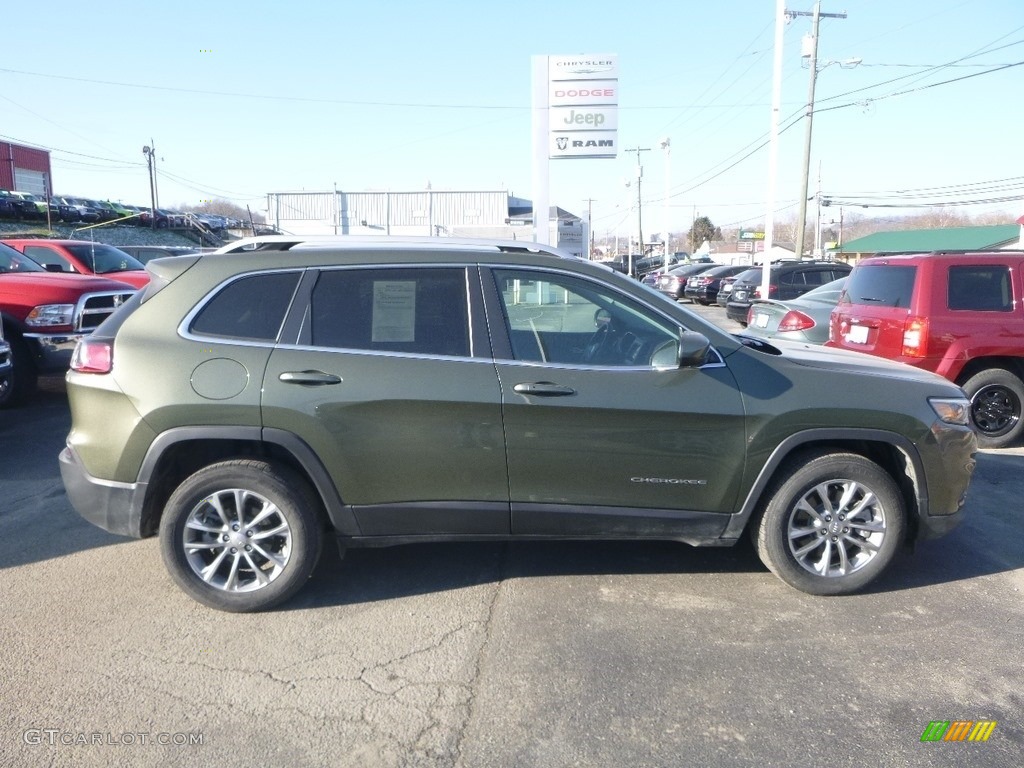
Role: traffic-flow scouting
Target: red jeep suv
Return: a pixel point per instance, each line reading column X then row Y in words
column 958, row 314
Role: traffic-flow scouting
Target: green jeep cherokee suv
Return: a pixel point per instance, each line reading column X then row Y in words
column 386, row 391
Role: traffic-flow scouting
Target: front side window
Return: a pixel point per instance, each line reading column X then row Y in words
column 982, row 288
column 414, row 310
column 557, row 318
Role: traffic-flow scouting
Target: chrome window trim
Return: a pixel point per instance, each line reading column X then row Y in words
column 718, row 363
column 183, row 327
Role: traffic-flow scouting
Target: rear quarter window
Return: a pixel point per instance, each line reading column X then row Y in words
column 980, row 288
column 251, row 308
column 881, row 285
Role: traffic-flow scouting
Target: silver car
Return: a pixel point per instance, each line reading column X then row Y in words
column 801, row 319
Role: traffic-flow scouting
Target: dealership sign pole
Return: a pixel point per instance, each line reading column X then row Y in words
column 575, row 115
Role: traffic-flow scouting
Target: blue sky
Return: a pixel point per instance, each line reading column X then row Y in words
column 242, row 100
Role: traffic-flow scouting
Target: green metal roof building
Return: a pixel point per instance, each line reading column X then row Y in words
column 986, row 238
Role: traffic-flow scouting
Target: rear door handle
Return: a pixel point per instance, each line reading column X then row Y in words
column 544, row 389
column 309, row 378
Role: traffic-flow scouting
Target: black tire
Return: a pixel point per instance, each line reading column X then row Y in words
column 284, row 524
column 19, row 384
column 996, row 397
column 806, row 516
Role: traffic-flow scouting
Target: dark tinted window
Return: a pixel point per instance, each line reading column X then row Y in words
column 13, row 261
column 44, row 256
column 980, row 288
column 882, row 285
column 104, row 258
column 250, row 308
column 415, row 310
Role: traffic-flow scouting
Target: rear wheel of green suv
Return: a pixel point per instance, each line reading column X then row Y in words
column 832, row 523
column 241, row 535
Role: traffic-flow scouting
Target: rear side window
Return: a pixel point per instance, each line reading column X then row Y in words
column 419, row 310
column 252, row 308
column 980, row 288
column 881, row 285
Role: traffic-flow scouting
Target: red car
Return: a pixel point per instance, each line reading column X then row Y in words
column 957, row 314
column 85, row 258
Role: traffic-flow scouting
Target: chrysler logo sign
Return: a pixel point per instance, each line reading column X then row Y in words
column 585, row 67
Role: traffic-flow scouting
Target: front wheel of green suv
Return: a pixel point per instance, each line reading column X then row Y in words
column 831, row 524
column 241, row 535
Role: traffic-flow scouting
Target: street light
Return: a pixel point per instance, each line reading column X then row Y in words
column 666, row 144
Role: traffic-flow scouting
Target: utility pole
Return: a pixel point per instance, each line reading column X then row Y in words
column 590, row 227
column 801, row 221
column 639, row 204
column 150, row 152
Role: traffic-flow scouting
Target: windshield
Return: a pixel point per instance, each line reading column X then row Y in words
column 12, row 261
column 104, row 258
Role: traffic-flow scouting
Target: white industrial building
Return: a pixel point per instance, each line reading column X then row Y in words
column 423, row 213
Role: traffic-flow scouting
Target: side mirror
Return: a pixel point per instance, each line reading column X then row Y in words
column 53, row 267
column 690, row 351
column 693, row 349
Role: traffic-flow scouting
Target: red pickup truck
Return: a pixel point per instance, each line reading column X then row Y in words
column 44, row 314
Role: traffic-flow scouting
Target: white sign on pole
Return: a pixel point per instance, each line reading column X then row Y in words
column 583, row 97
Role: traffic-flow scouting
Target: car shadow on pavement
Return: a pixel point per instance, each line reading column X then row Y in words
column 371, row 575
column 987, row 543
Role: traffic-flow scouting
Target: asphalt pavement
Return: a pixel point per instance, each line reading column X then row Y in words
column 538, row 654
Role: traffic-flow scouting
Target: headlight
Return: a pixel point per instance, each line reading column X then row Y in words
column 49, row 315
column 952, row 410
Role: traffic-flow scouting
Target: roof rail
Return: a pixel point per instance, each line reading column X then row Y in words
column 309, row 242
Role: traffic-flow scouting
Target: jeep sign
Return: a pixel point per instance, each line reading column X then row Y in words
column 583, row 97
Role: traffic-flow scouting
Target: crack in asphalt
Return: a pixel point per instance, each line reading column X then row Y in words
column 477, row 667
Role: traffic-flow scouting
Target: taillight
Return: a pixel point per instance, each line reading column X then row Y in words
column 795, row 321
column 771, row 289
column 915, row 337
column 93, row 356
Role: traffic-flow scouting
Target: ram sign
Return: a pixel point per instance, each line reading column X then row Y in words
column 583, row 103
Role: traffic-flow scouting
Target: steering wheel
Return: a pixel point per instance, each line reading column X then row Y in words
column 595, row 345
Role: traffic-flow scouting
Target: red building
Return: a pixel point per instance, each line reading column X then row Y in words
column 25, row 169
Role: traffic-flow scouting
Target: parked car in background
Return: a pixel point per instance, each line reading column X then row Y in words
column 31, row 206
column 146, row 253
column 725, row 287
column 9, row 205
column 164, row 218
column 787, row 280
column 122, row 211
column 106, row 210
column 803, row 319
column 242, row 411
column 673, row 282
column 83, row 257
column 955, row 313
column 44, row 314
column 703, row 287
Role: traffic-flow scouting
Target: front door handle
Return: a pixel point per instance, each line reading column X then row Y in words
column 544, row 389
column 309, row 378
